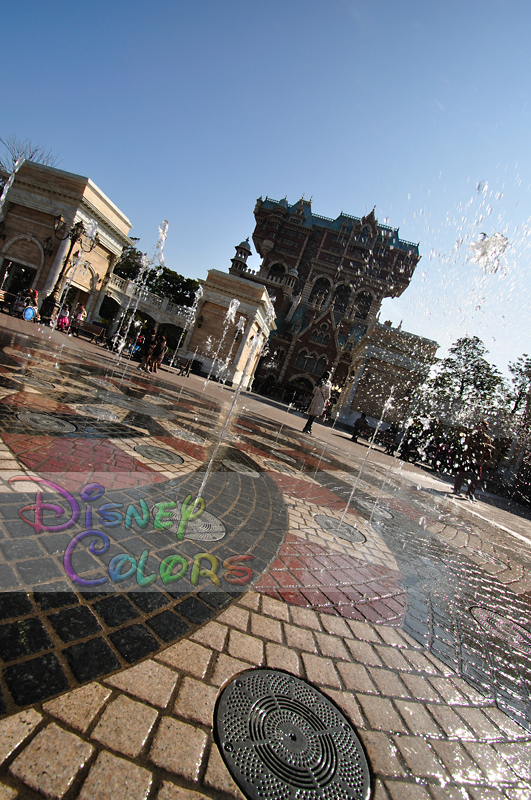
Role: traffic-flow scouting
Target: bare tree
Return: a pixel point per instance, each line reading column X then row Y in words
column 15, row 148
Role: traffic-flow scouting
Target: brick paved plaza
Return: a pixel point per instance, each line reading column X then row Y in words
column 121, row 621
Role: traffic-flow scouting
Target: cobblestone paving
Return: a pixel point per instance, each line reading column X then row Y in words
column 409, row 612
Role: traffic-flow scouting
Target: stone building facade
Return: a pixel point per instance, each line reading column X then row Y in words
column 388, row 364
column 236, row 343
column 327, row 279
column 31, row 254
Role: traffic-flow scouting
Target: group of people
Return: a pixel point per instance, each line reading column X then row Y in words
column 477, row 448
column 27, row 298
column 69, row 323
column 153, row 348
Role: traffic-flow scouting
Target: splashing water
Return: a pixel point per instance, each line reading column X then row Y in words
column 256, row 347
column 230, row 318
column 240, row 329
column 154, row 263
column 387, row 406
column 189, row 321
column 489, row 253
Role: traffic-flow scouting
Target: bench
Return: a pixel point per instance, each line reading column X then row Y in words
column 384, row 438
column 182, row 365
column 91, row 330
column 6, row 298
column 387, row 440
column 364, row 431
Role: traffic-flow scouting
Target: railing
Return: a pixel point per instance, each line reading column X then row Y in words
column 147, row 297
column 131, row 289
column 120, row 283
column 181, row 311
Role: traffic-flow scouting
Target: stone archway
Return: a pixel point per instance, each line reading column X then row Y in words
column 24, row 255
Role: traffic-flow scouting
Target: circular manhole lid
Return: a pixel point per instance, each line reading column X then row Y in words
column 187, row 436
column 230, row 437
column 276, row 467
column 267, row 442
column 282, row 739
column 237, row 466
column 341, row 529
column 106, row 382
column 136, row 405
column 32, row 381
column 99, row 412
column 206, row 528
column 284, row 457
column 373, row 507
column 503, row 628
column 158, row 454
column 44, row 422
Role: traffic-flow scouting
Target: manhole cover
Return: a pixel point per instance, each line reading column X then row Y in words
column 243, row 469
column 282, row 739
column 341, row 529
column 284, row 457
column 187, row 436
column 103, row 382
column 99, row 412
column 486, row 557
column 503, row 628
column 230, row 437
column 158, row 454
column 206, row 528
column 274, row 465
column 32, row 381
column 44, row 422
column 270, row 445
column 372, row 507
column 138, row 406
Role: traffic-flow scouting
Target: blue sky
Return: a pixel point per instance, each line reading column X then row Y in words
column 189, row 111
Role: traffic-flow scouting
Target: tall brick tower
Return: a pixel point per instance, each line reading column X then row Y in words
column 327, row 279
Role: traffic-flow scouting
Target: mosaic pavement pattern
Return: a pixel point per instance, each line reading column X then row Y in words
column 286, row 516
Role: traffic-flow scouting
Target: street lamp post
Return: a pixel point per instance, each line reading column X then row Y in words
column 75, row 233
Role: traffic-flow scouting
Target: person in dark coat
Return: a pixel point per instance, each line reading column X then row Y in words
column 358, row 426
column 147, row 349
column 157, row 354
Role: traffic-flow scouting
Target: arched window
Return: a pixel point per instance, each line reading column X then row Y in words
column 341, row 298
column 310, row 363
column 364, row 235
column 301, row 360
column 320, row 366
column 363, row 303
column 313, row 337
column 276, row 271
column 321, row 288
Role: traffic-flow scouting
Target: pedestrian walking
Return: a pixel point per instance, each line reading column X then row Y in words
column 147, row 349
column 321, row 395
column 478, row 452
column 62, row 319
column 78, row 316
column 157, row 354
column 358, row 426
